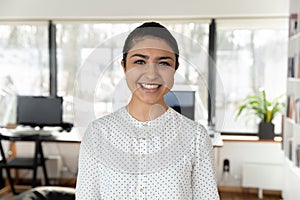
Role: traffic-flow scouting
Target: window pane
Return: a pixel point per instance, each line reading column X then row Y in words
column 95, row 50
column 24, row 65
column 247, row 60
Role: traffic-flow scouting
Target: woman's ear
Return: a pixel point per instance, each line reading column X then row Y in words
column 123, row 65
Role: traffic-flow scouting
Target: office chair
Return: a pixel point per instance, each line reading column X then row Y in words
column 31, row 163
column 47, row 193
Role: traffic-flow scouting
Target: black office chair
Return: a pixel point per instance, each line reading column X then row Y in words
column 31, row 163
column 47, row 193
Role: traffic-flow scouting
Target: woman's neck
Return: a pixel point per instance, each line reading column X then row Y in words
column 146, row 112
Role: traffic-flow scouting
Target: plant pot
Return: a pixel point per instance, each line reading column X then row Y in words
column 266, row 131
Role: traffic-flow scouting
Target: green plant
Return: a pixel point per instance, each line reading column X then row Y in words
column 261, row 107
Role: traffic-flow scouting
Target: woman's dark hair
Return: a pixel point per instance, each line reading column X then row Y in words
column 152, row 29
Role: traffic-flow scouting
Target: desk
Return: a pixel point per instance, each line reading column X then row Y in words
column 32, row 162
column 56, row 136
column 66, row 137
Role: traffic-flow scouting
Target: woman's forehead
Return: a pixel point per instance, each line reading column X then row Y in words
column 151, row 43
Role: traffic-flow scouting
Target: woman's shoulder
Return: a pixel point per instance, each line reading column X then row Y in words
column 188, row 123
column 111, row 118
column 103, row 125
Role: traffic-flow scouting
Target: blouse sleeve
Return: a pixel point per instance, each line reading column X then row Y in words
column 87, row 186
column 204, row 181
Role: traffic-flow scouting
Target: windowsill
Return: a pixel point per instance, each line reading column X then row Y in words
column 242, row 138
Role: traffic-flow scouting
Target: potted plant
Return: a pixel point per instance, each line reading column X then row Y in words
column 265, row 110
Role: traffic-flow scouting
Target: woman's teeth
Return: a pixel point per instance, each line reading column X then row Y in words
column 150, row 86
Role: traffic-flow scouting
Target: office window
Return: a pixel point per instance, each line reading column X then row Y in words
column 250, row 55
column 89, row 56
column 24, row 67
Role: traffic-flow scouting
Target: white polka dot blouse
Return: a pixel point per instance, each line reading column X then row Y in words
column 170, row 157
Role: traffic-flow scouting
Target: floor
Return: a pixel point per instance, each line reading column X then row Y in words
column 247, row 196
column 8, row 196
column 224, row 196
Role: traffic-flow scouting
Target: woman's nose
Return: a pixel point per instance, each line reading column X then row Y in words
column 152, row 70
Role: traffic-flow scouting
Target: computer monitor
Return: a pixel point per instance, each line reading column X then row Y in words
column 183, row 102
column 39, row 111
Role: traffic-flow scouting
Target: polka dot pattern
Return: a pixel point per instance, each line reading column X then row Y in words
column 170, row 157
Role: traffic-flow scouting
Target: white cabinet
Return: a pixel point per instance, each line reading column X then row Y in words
column 262, row 176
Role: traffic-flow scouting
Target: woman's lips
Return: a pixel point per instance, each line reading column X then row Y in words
column 150, row 86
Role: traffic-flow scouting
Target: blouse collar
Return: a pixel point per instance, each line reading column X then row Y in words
column 150, row 128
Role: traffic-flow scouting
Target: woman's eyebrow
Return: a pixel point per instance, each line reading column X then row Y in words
column 140, row 55
column 165, row 58
column 147, row 57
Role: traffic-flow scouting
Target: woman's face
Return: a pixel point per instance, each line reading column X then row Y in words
column 150, row 67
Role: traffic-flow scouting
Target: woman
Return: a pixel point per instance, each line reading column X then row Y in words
column 147, row 150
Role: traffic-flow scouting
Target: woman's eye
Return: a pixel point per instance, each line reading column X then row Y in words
column 164, row 64
column 139, row 62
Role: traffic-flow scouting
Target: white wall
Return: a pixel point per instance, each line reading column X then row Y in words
column 66, row 9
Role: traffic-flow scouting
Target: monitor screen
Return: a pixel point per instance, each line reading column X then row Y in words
column 39, row 111
column 183, row 102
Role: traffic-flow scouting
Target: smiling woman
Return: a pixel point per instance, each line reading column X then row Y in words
column 146, row 150
column 150, row 58
column 149, row 76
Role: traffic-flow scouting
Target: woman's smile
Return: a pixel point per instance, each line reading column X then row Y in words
column 150, row 86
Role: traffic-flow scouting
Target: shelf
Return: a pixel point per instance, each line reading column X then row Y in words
column 291, row 182
column 294, row 37
column 296, row 127
column 288, row 138
column 294, row 80
column 293, row 87
column 292, row 167
column 291, row 139
column 291, row 133
column 245, row 138
column 296, row 132
column 288, row 127
column 293, row 46
column 291, row 123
